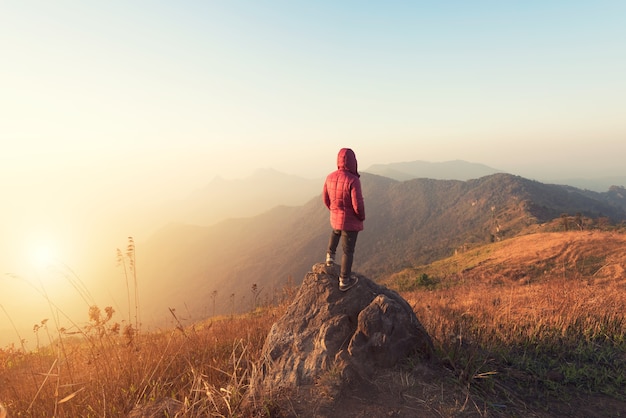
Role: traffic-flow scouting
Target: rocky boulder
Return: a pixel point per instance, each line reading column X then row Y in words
column 349, row 334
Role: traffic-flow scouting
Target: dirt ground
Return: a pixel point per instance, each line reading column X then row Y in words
column 431, row 391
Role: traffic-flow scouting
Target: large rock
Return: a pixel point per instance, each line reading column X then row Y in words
column 348, row 334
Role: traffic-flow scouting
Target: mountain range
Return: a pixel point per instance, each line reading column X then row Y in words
column 266, row 188
column 447, row 170
column 464, row 170
column 228, row 265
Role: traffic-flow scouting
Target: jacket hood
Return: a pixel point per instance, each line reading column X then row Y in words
column 346, row 160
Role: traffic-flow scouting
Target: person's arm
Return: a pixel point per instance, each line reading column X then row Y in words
column 357, row 200
column 325, row 196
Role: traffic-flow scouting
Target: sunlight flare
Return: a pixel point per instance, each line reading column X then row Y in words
column 43, row 253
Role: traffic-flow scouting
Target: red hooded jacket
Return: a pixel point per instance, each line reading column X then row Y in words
column 342, row 194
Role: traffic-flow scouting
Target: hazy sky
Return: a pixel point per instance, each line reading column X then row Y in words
column 104, row 105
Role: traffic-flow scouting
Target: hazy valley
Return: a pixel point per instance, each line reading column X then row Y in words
column 202, row 266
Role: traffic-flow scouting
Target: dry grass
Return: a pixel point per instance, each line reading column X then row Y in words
column 544, row 315
column 196, row 371
column 522, row 322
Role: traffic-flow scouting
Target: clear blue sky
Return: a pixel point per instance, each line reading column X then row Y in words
column 109, row 103
column 223, row 87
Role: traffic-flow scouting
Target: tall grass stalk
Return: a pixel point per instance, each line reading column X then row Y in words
column 128, row 261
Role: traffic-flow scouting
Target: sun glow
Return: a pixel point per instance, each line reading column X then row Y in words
column 43, row 253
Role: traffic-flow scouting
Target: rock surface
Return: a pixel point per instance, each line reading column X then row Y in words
column 347, row 335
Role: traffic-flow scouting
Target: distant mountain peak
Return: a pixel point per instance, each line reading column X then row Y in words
column 446, row 170
column 264, row 171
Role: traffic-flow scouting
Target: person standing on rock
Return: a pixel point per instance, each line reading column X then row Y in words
column 343, row 197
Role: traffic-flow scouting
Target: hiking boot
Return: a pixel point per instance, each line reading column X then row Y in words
column 329, row 260
column 345, row 284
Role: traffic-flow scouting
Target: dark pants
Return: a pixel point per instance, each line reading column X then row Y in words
column 349, row 243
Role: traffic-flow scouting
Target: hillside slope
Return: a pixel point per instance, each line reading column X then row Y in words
column 590, row 255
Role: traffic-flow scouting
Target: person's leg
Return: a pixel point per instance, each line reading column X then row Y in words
column 349, row 244
column 333, row 242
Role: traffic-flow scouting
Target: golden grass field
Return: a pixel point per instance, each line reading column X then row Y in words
column 531, row 326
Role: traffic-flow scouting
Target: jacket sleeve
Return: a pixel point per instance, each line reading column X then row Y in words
column 357, row 200
column 325, row 196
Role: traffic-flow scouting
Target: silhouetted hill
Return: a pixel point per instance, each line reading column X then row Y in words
column 448, row 170
column 598, row 184
column 615, row 196
column 408, row 223
column 264, row 189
